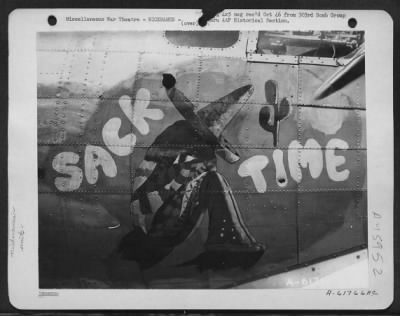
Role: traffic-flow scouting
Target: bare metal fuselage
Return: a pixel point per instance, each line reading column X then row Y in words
column 309, row 204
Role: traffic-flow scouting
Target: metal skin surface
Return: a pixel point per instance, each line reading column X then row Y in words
column 308, row 203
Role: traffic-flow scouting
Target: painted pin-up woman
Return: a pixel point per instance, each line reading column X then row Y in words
column 179, row 169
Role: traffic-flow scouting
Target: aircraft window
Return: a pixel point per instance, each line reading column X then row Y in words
column 209, row 39
column 328, row 44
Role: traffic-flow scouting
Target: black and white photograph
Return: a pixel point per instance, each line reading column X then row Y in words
column 187, row 160
column 166, row 169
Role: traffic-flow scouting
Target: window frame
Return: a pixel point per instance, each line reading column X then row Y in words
column 238, row 49
column 254, row 56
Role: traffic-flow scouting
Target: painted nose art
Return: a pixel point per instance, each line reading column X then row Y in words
column 211, row 120
column 274, row 112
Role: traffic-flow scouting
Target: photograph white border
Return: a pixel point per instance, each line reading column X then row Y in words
column 24, row 292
